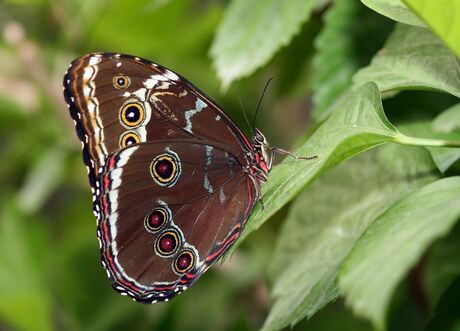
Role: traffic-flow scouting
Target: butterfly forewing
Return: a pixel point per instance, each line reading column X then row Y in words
column 171, row 173
column 169, row 106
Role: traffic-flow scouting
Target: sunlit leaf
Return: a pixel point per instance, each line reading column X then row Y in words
column 443, row 17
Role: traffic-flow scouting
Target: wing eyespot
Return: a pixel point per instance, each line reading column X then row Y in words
column 167, row 243
column 156, row 219
column 166, row 169
column 132, row 114
column 129, row 138
column 184, row 261
column 121, row 81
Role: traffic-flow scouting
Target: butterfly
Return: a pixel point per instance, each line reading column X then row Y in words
column 173, row 178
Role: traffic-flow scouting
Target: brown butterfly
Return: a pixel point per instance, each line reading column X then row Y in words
column 174, row 179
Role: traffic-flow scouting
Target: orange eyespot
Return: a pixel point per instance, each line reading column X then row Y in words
column 121, row 81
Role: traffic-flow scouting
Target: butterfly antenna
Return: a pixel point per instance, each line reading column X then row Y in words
column 242, row 107
column 258, row 106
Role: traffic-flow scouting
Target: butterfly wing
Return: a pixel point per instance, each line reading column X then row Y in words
column 169, row 172
column 159, row 231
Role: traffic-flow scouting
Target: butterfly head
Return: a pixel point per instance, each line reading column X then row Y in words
column 262, row 160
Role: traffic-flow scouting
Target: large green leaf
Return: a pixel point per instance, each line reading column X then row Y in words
column 396, row 10
column 443, row 17
column 252, row 31
column 327, row 219
column 413, row 58
column 394, row 243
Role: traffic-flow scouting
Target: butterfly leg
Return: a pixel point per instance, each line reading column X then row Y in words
column 262, row 202
column 258, row 192
column 282, row 151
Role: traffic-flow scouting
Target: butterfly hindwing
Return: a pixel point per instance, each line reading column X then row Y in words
column 168, row 211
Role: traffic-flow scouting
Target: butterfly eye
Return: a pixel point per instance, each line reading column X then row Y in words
column 184, row 262
column 259, row 137
column 167, row 243
column 156, row 219
column 132, row 114
column 128, row 139
column 121, row 81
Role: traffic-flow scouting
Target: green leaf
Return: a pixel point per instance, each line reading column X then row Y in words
column 443, row 17
column 355, row 125
column 327, row 219
column 394, row 243
column 396, row 10
column 252, row 32
column 333, row 63
column 413, row 58
column 448, row 120
column 339, row 52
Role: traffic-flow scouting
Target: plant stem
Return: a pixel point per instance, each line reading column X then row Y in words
column 405, row 140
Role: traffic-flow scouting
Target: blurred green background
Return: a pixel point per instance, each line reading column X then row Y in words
column 50, row 274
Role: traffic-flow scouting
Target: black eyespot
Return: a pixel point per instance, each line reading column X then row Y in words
column 128, row 139
column 132, row 114
column 121, row 81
